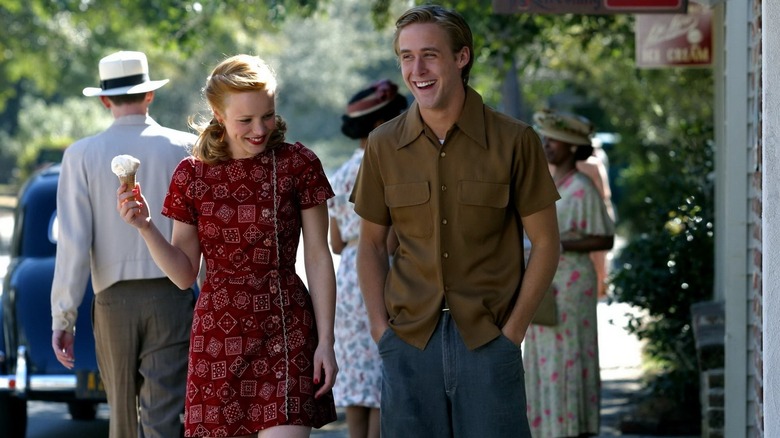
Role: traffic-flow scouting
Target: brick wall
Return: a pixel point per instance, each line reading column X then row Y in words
column 755, row 329
column 709, row 324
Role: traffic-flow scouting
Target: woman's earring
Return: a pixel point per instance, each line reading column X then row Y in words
column 222, row 136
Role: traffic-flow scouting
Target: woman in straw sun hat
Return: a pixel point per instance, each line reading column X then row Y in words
column 561, row 361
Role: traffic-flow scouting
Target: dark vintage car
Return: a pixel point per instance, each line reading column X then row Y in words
column 28, row 368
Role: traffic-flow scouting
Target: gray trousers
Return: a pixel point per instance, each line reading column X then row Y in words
column 142, row 333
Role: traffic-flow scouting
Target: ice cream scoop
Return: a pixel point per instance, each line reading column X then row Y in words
column 125, row 167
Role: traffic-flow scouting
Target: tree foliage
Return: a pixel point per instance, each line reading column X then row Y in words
column 50, row 47
column 323, row 51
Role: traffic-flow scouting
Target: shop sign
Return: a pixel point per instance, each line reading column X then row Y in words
column 674, row 40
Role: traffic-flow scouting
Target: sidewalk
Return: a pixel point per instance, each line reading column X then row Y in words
column 7, row 202
column 620, row 359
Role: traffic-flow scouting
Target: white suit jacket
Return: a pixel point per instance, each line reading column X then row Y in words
column 92, row 237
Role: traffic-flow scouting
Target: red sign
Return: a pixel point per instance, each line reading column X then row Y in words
column 674, row 40
column 631, row 5
column 589, row 6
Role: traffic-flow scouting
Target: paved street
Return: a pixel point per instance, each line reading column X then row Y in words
column 51, row 419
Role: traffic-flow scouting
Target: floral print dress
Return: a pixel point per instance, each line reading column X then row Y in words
column 562, row 362
column 359, row 380
column 253, row 332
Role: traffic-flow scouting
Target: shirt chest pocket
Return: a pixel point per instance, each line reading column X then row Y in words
column 410, row 208
column 482, row 206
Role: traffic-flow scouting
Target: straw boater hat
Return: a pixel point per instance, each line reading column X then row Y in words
column 568, row 128
column 124, row 73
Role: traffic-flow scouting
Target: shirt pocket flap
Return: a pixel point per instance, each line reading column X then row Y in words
column 407, row 195
column 483, row 194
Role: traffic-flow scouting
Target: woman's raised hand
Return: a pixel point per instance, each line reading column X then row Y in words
column 132, row 211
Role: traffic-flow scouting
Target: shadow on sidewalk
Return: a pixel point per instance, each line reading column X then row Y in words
column 616, row 399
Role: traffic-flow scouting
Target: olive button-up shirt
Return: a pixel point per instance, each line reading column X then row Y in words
column 456, row 207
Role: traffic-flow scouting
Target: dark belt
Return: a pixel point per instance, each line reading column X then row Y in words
column 445, row 307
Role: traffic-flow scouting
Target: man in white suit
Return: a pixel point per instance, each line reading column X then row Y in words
column 141, row 320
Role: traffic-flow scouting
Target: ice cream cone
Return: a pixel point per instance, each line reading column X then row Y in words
column 125, row 167
column 128, row 179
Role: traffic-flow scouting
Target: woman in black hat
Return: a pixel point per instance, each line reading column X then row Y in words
column 358, row 384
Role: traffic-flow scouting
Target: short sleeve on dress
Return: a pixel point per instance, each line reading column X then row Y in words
column 178, row 203
column 311, row 182
column 339, row 184
column 581, row 210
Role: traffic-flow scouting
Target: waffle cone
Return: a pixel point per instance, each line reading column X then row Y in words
column 129, row 180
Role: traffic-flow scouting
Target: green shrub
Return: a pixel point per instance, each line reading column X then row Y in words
column 669, row 265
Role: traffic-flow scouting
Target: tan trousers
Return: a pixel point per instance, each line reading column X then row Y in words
column 142, row 333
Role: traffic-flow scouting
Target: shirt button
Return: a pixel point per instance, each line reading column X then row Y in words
column 444, row 221
column 443, row 188
column 446, row 255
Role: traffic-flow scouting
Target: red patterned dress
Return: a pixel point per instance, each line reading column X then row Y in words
column 253, row 332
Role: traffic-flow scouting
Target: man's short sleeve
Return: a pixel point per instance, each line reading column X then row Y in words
column 534, row 186
column 368, row 195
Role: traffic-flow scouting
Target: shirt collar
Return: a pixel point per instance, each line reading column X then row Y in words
column 471, row 121
column 135, row 119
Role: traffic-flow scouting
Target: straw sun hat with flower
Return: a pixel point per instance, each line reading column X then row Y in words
column 568, row 128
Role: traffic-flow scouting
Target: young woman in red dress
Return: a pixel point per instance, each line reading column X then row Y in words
column 261, row 360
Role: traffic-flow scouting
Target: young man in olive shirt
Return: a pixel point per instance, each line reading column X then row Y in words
column 459, row 183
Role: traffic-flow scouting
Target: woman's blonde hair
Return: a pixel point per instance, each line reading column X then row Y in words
column 236, row 74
